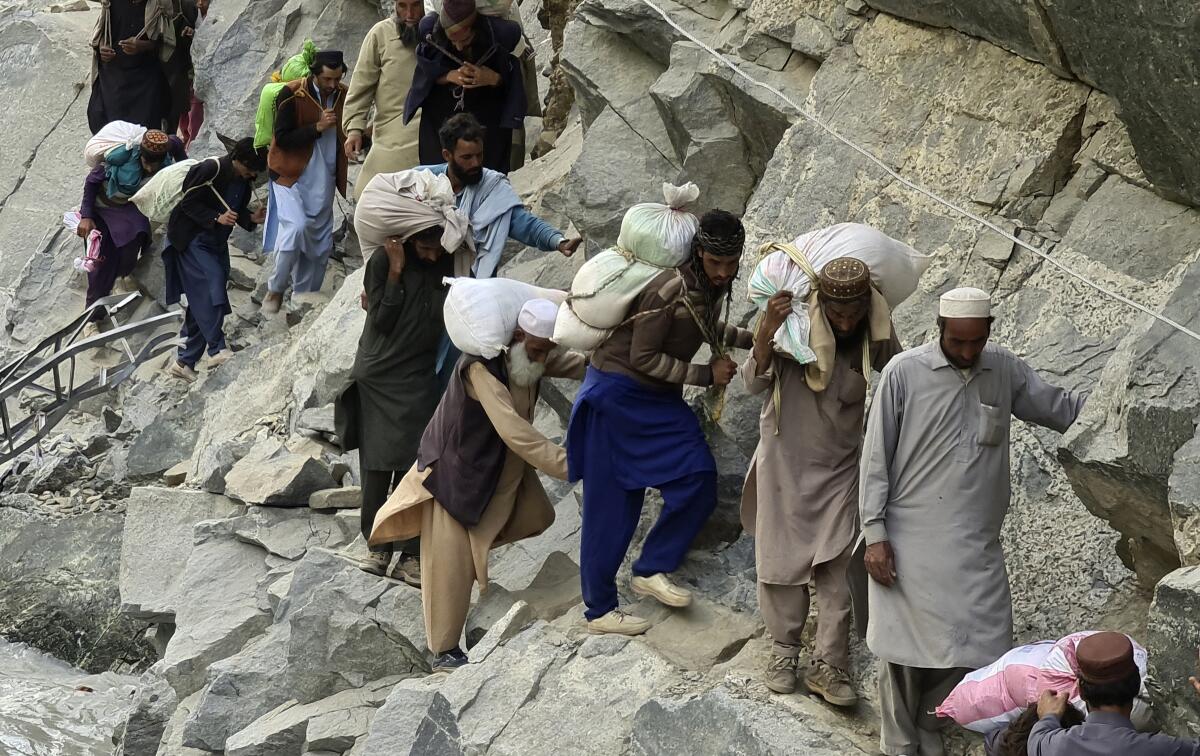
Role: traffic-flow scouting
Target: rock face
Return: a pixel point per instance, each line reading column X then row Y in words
column 1174, row 634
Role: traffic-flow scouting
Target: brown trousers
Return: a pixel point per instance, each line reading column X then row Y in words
column 785, row 610
column 907, row 699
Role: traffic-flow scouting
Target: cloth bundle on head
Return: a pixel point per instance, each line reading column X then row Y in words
column 537, row 318
column 457, row 14
column 296, row 67
column 965, row 302
column 844, row 280
column 408, row 202
column 155, row 142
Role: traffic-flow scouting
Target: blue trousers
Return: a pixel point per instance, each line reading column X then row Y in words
column 201, row 272
column 306, row 274
column 610, row 517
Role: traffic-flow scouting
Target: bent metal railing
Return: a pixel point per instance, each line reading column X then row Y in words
column 51, row 369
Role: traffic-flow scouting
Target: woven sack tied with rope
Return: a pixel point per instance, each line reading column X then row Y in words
column 159, row 196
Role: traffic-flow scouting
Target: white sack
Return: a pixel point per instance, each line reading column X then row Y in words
column 407, row 202
column 159, row 196
column 573, row 333
column 605, row 286
column 661, row 235
column 481, row 314
column 109, row 137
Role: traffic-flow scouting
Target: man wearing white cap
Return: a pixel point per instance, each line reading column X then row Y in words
column 474, row 485
column 933, row 494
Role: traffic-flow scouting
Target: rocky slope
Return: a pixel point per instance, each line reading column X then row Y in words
column 224, row 505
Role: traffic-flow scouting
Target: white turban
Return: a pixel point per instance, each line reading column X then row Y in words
column 537, row 318
column 967, row 302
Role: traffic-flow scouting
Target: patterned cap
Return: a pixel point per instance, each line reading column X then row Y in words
column 155, row 142
column 844, row 280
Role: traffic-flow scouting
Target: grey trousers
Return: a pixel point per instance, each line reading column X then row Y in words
column 306, row 274
column 907, row 698
column 785, row 611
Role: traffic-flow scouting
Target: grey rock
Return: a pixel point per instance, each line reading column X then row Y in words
column 346, row 497
column 172, row 739
column 667, row 727
column 153, row 706
column 517, row 618
column 316, row 420
column 416, row 720
column 222, row 613
column 1173, row 635
column 290, row 533
column 270, row 475
column 514, row 566
column 490, row 608
column 1183, row 494
column 156, row 543
column 56, row 471
column 177, row 475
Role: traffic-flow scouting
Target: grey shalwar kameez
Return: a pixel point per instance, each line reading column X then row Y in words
column 935, row 485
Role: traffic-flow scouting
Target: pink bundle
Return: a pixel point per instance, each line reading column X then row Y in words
column 91, row 257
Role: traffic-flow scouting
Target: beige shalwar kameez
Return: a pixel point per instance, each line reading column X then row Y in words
column 382, row 77
column 801, row 493
column 453, row 557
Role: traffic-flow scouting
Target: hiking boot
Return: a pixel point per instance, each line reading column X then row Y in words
column 375, row 562
column 271, row 303
column 830, row 683
column 182, row 372
column 220, row 358
column 408, row 570
column 618, row 622
column 450, row 661
column 780, row 675
column 662, row 589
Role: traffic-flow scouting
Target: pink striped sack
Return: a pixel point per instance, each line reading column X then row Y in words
column 992, row 697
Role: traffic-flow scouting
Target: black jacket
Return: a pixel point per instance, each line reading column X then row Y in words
column 199, row 208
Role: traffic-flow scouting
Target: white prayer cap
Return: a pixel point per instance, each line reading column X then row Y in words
column 967, row 302
column 537, row 318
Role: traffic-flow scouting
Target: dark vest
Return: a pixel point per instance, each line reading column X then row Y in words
column 463, row 448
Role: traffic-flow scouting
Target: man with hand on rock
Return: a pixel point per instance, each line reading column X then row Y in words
column 466, row 64
column 1109, row 681
column 934, row 491
column 394, row 388
column 382, row 75
column 631, row 428
column 216, row 197
column 801, row 494
column 133, row 39
column 307, row 163
column 475, row 485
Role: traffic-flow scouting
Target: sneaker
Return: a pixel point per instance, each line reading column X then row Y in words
column 182, row 372
column 618, row 622
column 830, row 683
column 271, row 303
column 220, row 358
column 780, row 675
column 408, row 570
column 450, row 661
column 375, row 562
column 662, row 589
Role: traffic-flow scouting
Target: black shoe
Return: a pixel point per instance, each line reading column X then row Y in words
column 450, row 661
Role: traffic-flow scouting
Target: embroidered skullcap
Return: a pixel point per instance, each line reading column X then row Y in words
column 967, row 302
column 329, row 59
column 844, row 280
column 155, row 142
column 537, row 318
column 1105, row 658
column 457, row 14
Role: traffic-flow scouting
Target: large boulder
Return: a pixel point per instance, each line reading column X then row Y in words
column 1158, row 87
column 1173, row 635
column 156, row 543
column 272, row 475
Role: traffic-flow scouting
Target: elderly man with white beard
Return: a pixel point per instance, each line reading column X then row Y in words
column 474, row 485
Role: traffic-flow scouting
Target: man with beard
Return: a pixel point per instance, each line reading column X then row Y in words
column 384, row 72
column 933, row 495
column 307, row 163
column 631, row 428
column 394, row 388
column 466, row 64
column 475, row 485
column 801, row 494
column 132, row 40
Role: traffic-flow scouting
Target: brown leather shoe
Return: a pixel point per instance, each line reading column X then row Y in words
column 830, row 683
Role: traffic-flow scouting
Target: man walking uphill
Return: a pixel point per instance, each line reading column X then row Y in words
column 801, row 495
column 307, row 163
column 132, row 40
column 631, row 429
column 933, row 496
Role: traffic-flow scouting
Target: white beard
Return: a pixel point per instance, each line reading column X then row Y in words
column 523, row 371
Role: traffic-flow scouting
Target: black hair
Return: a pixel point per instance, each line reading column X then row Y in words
column 1015, row 740
column 316, row 68
column 461, row 127
column 721, row 225
column 244, row 152
column 1120, row 693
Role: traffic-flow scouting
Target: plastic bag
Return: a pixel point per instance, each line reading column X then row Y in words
column 296, row 67
column 895, row 267
column 163, row 192
column 661, row 235
column 481, row 314
column 995, row 695
column 112, row 135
